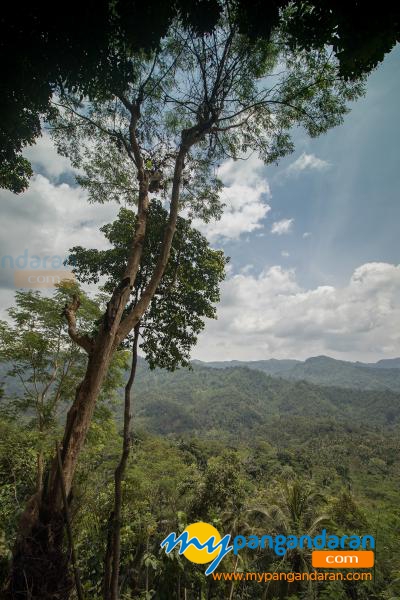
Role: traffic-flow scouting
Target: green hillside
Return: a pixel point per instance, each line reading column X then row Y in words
column 214, row 445
column 240, row 400
column 323, row 370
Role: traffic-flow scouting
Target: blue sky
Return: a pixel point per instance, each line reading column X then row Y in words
column 314, row 241
column 351, row 206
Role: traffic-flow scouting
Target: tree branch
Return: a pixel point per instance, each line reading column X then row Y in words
column 70, row 310
column 189, row 137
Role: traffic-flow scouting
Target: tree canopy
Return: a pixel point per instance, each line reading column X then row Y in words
column 89, row 50
column 279, row 477
column 186, row 296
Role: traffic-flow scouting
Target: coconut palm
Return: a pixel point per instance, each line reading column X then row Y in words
column 295, row 509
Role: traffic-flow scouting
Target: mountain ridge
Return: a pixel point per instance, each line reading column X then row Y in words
column 324, row 370
column 242, row 401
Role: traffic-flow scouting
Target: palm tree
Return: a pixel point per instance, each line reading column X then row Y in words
column 295, row 509
column 236, row 522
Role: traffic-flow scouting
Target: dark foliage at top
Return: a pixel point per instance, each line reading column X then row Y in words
column 86, row 49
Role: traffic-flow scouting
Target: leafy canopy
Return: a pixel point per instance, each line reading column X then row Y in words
column 188, row 291
column 42, row 366
column 43, row 54
column 205, row 97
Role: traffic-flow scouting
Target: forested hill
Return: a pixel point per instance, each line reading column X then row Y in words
column 239, row 400
column 235, row 399
column 323, row 370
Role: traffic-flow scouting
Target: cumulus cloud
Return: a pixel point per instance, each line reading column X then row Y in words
column 271, row 315
column 244, row 194
column 47, row 220
column 306, row 234
column 45, row 159
column 282, row 227
column 306, row 162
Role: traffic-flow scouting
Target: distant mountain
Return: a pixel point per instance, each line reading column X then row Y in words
column 239, row 400
column 245, row 400
column 272, row 366
column 386, row 363
column 323, row 370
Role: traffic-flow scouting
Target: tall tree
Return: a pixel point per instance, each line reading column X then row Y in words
column 196, row 101
column 42, row 364
column 186, row 296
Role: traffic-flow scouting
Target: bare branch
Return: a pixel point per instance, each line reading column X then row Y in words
column 134, row 109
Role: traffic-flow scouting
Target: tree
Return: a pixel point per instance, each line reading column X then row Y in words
column 42, row 364
column 296, row 509
column 186, row 295
column 197, row 100
column 44, row 54
column 169, row 328
column 111, row 585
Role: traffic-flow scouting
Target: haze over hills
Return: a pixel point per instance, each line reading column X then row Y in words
column 320, row 370
column 323, row 370
column 385, row 363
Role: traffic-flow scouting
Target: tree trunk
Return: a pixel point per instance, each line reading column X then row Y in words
column 147, row 567
column 113, row 563
column 39, row 566
column 108, row 558
column 39, row 471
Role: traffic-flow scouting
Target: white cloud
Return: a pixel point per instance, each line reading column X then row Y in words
column 306, row 234
column 270, row 315
column 47, row 220
column 283, row 226
column 244, row 194
column 45, row 159
column 246, row 269
column 307, row 162
column 285, row 253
